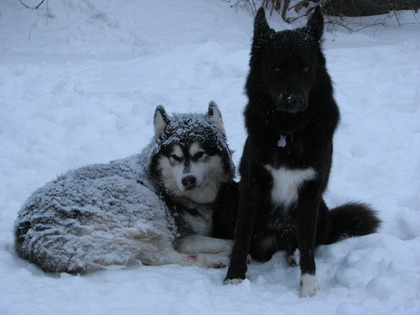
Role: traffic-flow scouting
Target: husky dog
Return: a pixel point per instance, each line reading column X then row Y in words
column 291, row 117
column 153, row 208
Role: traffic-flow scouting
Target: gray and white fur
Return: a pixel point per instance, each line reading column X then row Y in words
column 152, row 208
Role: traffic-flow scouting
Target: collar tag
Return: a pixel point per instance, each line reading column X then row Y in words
column 282, row 141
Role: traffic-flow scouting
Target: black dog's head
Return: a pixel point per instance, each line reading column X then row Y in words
column 284, row 64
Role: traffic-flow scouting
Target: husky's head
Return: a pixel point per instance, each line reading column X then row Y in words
column 193, row 158
column 286, row 65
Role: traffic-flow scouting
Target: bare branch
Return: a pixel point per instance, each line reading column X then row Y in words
column 33, row 8
column 335, row 11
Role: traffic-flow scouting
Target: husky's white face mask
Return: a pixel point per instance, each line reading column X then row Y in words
column 191, row 172
column 191, row 166
column 190, row 162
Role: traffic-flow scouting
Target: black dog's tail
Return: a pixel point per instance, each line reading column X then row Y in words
column 348, row 220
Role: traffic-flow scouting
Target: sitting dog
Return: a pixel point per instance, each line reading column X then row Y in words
column 291, row 117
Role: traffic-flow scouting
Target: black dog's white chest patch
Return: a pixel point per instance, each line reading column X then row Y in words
column 286, row 184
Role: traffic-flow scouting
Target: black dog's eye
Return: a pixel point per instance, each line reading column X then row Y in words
column 198, row 155
column 176, row 157
column 306, row 69
column 277, row 69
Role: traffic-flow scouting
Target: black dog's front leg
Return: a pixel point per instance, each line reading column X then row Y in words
column 306, row 217
column 246, row 217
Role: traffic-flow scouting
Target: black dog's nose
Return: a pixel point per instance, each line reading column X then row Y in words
column 296, row 100
column 188, row 181
column 290, row 102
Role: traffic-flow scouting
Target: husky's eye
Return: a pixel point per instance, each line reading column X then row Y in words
column 198, row 155
column 176, row 157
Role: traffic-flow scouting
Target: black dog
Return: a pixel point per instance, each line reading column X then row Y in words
column 291, row 118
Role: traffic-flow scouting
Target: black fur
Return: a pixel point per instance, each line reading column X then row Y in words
column 225, row 211
column 290, row 96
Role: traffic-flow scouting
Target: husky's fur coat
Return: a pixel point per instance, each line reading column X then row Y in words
column 131, row 211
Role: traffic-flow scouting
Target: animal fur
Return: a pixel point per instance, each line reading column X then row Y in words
column 291, row 117
column 137, row 210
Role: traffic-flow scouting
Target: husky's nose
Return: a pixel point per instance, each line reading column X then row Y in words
column 189, row 182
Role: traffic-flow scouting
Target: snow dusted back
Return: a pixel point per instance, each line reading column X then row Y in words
column 79, row 83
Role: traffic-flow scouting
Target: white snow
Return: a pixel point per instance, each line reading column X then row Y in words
column 79, row 85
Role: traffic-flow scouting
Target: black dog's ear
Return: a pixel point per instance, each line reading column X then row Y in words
column 216, row 117
column 261, row 29
column 315, row 24
column 161, row 120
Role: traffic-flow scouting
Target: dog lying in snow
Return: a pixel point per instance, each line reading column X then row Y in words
column 152, row 208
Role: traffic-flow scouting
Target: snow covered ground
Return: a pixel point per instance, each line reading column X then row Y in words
column 79, row 85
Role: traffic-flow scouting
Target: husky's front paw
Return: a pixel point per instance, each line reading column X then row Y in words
column 220, row 264
column 227, row 247
column 217, row 260
column 309, row 285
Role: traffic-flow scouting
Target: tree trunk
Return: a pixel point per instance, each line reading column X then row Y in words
column 367, row 7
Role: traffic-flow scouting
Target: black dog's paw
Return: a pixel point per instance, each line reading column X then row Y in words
column 232, row 281
column 291, row 260
column 309, row 285
column 234, row 276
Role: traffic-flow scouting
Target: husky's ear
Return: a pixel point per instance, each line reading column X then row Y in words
column 161, row 120
column 261, row 29
column 216, row 117
column 315, row 24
